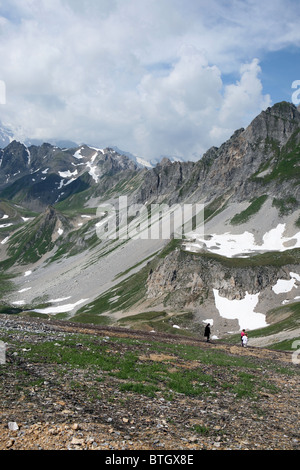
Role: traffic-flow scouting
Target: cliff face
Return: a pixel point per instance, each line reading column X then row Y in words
column 201, row 283
column 192, row 277
column 254, row 160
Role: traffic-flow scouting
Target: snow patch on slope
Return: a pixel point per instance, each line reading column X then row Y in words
column 231, row 245
column 242, row 310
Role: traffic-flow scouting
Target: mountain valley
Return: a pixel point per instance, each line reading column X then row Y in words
column 239, row 270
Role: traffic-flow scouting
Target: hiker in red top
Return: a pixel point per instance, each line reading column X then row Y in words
column 242, row 334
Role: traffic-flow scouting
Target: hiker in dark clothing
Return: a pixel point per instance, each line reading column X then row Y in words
column 207, row 332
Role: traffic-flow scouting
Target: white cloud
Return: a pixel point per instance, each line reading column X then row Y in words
column 241, row 101
column 146, row 75
column 177, row 108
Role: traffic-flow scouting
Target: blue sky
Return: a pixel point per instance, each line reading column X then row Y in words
column 152, row 77
column 279, row 70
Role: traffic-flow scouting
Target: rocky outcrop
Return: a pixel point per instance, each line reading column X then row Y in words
column 164, row 182
column 184, row 280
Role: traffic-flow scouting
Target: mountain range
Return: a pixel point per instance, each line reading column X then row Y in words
column 239, row 270
column 7, row 136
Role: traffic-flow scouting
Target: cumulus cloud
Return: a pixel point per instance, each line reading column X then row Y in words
column 146, row 75
column 240, row 102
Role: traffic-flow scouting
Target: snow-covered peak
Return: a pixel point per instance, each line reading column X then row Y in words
column 6, row 136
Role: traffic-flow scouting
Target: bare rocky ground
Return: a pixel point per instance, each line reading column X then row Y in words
column 42, row 409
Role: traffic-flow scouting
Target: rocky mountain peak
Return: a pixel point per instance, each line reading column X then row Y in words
column 165, row 161
column 15, row 159
column 284, row 110
column 276, row 123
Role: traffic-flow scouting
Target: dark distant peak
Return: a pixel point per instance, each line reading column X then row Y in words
column 15, row 144
column 45, row 145
column 16, row 158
